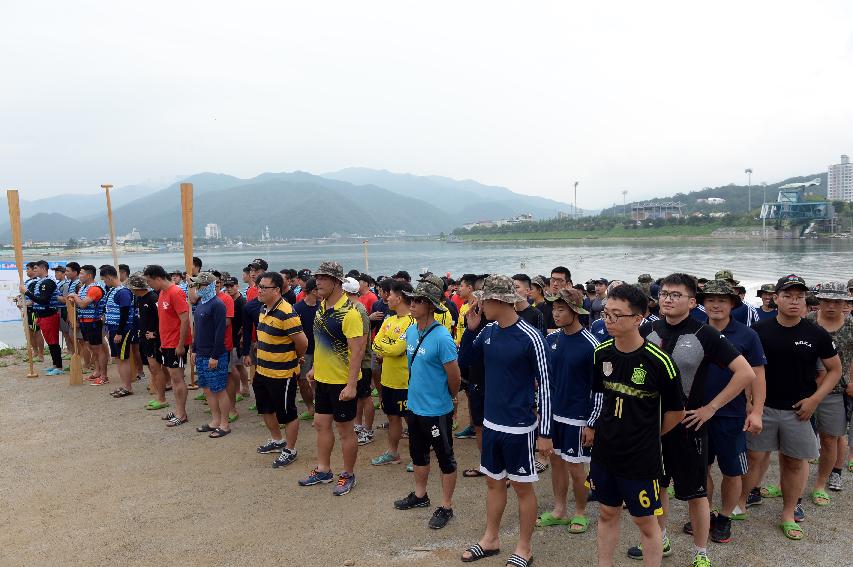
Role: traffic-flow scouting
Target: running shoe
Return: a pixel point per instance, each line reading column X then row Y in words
column 688, row 527
column 636, row 552
column 365, row 437
column 467, row 433
column 754, row 498
column 440, row 517
column 721, row 530
column 285, row 458
column 410, row 467
column 272, row 446
column 701, row 560
column 799, row 513
column 100, row 381
column 386, row 458
column 346, row 482
column 835, row 482
column 317, row 477
column 412, row 501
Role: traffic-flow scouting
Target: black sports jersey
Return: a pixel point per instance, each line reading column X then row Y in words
column 146, row 311
column 638, row 388
column 693, row 346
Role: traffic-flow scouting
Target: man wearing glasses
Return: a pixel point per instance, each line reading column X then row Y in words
column 692, row 346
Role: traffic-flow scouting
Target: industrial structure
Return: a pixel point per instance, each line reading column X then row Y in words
column 792, row 205
column 657, row 211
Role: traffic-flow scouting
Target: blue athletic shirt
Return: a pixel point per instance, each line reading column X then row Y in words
column 429, row 394
column 571, row 375
column 746, row 314
column 762, row 314
column 599, row 330
column 516, row 364
column 746, row 341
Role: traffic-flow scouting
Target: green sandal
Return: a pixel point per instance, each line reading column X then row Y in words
column 818, row 495
column 850, row 465
column 233, row 418
column 549, row 519
column 789, row 528
column 155, row 405
column 200, row 398
column 771, row 491
column 239, row 398
column 581, row 521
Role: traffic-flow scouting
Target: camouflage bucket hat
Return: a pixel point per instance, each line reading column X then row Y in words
column 719, row 287
column 136, row 281
column 833, row 290
column 429, row 287
column 850, row 284
column 644, row 278
column 203, row 279
column 726, row 275
column 539, row 281
column 766, row 288
column 499, row 288
column 571, row 297
column 331, row 269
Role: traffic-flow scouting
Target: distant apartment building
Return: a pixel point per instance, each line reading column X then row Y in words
column 524, row 217
column 841, row 181
column 211, row 231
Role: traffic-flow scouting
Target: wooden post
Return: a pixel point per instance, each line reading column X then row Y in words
column 187, row 218
column 17, row 244
column 112, row 227
column 366, row 265
column 76, row 376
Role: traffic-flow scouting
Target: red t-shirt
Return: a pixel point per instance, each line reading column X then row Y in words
column 251, row 293
column 229, row 317
column 171, row 303
column 457, row 301
column 368, row 299
column 300, row 296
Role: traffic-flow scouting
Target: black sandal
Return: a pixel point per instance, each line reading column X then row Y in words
column 217, row 433
column 516, row 560
column 477, row 552
column 205, row 428
column 472, row 473
column 176, row 421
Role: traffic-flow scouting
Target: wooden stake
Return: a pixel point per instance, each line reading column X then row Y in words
column 15, row 224
column 187, row 218
column 366, row 265
column 76, row 376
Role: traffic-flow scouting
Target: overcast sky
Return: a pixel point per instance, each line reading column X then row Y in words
column 648, row 97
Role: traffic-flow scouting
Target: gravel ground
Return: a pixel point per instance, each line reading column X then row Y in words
column 88, row 480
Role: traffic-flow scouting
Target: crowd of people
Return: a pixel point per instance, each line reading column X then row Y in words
column 628, row 392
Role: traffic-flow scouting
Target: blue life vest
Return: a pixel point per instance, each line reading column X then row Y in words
column 54, row 299
column 113, row 310
column 91, row 311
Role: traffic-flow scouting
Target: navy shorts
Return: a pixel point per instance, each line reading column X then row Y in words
column 642, row 497
column 395, row 401
column 727, row 444
column 121, row 349
column 568, row 441
column 476, row 403
column 216, row 379
column 508, row 455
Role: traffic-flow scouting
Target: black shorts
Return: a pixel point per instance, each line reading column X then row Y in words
column 172, row 360
column 395, row 401
column 150, row 348
column 93, row 332
column 476, row 403
column 435, row 433
column 685, row 459
column 326, row 402
column 276, row 395
column 364, row 386
column 121, row 350
column 642, row 497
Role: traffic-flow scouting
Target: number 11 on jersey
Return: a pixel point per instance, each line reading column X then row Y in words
column 618, row 411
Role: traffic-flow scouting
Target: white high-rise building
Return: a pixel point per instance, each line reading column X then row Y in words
column 841, row 181
column 211, row 230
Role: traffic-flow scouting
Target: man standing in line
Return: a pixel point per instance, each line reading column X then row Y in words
column 88, row 300
column 513, row 353
column 238, row 373
column 120, row 320
column 768, row 308
column 306, row 308
column 44, row 298
column 149, row 338
column 523, row 307
column 561, row 278
column 538, row 287
column 339, row 343
column 365, row 411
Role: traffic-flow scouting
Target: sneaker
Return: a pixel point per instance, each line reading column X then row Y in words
column 701, row 560
column 285, row 458
column 410, row 467
column 440, row 517
column 412, row 501
column 721, row 530
column 317, row 477
column 365, row 437
column 754, row 498
column 688, row 527
column 799, row 513
column 272, row 446
column 386, row 458
column 467, row 433
column 346, row 482
column 100, row 381
column 636, row 552
column 358, row 428
column 835, row 482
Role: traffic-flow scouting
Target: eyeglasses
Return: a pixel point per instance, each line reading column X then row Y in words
column 267, row 287
column 673, row 295
column 611, row 317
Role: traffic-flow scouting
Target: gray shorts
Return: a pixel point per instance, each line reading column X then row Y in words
column 306, row 366
column 785, row 433
column 831, row 416
column 234, row 361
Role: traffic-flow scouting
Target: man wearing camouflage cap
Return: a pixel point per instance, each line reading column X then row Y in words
column 538, row 290
column 768, row 308
column 517, row 370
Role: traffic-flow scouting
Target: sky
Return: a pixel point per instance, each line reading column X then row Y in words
column 647, row 97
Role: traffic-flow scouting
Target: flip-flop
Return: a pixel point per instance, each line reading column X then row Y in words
column 217, row 433
column 516, row 560
column 548, row 519
column 121, row 392
column 472, row 473
column 477, row 552
column 205, row 428
column 788, row 528
column 155, row 405
column 771, row 491
column 239, row 398
column 820, row 495
column 176, row 421
column 850, row 465
column 578, row 521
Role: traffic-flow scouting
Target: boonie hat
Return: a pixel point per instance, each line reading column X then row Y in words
column 539, row 281
column 331, row 269
column 833, row 290
column 571, row 297
column 789, row 281
column 430, row 288
column 719, row 287
column 765, row 288
column 499, row 288
column 202, row 280
column 136, row 281
column 644, row 278
column 726, row 275
column 350, row 285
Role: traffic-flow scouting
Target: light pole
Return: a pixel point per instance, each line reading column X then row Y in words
column 748, row 172
column 763, row 214
column 624, row 193
column 576, row 200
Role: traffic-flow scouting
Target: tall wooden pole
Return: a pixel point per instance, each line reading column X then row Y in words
column 366, row 265
column 112, row 226
column 187, row 218
column 17, row 244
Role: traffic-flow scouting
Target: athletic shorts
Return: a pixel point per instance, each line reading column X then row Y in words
column 33, row 320
column 64, row 327
column 568, row 441
column 326, row 402
column 92, row 332
column 121, row 350
column 476, row 403
column 685, row 458
column 785, row 433
column 307, row 365
column 642, row 497
column 364, row 386
column 727, row 445
column 508, row 455
column 431, row 432
column 50, row 328
column 830, row 415
column 233, row 360
column 216, row 379
column 150, row 348
column 172, row 360
column 395, row 401
column 275, row 395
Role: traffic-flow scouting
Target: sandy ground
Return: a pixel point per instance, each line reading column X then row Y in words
column 88, row 480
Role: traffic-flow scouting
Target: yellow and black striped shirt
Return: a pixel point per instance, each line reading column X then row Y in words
column 276, row 350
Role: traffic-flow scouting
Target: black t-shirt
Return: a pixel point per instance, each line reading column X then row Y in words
column 289, row 296
column 306, row 316
column 792, row 354
column 693, row 346
column 237, row 320
column 534, row 317
column 146, row 307
column 544, row 307
column 638, row 388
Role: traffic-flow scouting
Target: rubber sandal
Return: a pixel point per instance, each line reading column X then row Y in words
column 175, row 421
column 155, row 405
column 771, row 491
column 516, row 560
column 788, row 528
column 850, row 465
column 578, row 521
column 477, row 552
column 168, row 416
column 217, row 433
column 548, row 519
column 820, row 495
column 239, row 398
column 205, row 428
column 472, row 473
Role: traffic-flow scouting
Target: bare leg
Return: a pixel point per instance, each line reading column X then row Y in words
column 231, row 390
column 828, row 456
column 841, row 453
column 291, row 434
column 448, row 486
column 495, row 504
column 700, row 517
column 395, row 433
column 421, row 477
column 349, row 444
column 213, row 404
column 578, row 474
column 158, row 380
column 526, row 517
column 223, row 403
column 608, row 534
column 560, row 484
column 793, row 483
column 730, row 491
column 271, row 421
column 179, row 389
column 757, row 463
column 650, row 536
column 325, row 441
column 125, row 373
column 307, row 394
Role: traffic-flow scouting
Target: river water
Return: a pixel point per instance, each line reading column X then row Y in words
column 753, row 262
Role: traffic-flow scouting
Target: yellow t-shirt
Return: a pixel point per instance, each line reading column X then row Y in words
column 332, row 328
column 276, row 349
column 445, row 319
column 460, row 324
column 390, row 344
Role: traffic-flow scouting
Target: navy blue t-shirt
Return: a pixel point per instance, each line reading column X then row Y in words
column 306, row 316
column 762, row 314
column 571, row 376
column 747, row 342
